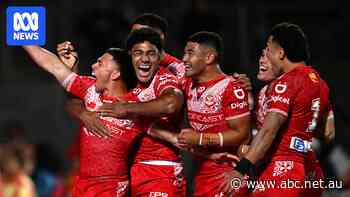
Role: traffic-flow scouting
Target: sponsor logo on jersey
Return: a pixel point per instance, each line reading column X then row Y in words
column 158, row 194
column 205, row 118
column 239, row 105
column 300, row 145
column 125, row 123
column 280, row 88
column 209, row 100
column 239, row 93
column 282, row 167
column 280, row 99
column 200, row 89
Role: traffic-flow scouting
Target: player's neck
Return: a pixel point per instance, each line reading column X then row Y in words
column 212, row 72
column 289, row 66
column 116, row 89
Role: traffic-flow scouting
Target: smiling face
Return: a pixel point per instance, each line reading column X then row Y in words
column 145, row 60
column 266, row 72
column 105, row 69
column 194, row 59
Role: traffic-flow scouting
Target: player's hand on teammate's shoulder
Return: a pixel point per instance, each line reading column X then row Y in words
column 67, row 54
column 92, row 122
column 116, row 110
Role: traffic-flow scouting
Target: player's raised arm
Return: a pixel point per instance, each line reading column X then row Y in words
column 48, row 61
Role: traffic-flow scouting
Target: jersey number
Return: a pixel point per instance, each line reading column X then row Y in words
column 315, row 108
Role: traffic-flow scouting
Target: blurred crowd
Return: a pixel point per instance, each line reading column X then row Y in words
column 34, row 169
column 30, row 170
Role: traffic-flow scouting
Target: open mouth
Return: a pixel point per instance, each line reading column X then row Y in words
column 262, row 69
column 144, row 70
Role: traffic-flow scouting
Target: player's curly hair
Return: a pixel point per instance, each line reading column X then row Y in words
column 127, row 72
column 293, row 41
column 142, row 35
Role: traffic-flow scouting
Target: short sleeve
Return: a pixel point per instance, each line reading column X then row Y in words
column 235, row 102
column 79, row 85
column 164, row 82
column 282, row 95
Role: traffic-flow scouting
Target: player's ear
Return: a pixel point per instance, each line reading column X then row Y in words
column 281, row 54
column 115, row 75
column 210, row 58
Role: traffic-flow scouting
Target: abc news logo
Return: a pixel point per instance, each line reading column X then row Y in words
column 18, row 21
column 25, row 25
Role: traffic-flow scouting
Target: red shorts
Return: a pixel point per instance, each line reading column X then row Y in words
column 207, row 184
column 313, row 172
column 157, row 180
column 100, row 187
column 281, row 178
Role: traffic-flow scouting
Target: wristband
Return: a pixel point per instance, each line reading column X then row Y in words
column 244, row 166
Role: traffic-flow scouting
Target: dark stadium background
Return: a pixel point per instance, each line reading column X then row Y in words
column 32, row 100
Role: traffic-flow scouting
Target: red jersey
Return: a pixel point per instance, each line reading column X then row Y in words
column 151, row 148
column 210, row 104
column 261, row 107
column 174, row 65
column 300, row 96
column 105, row 157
